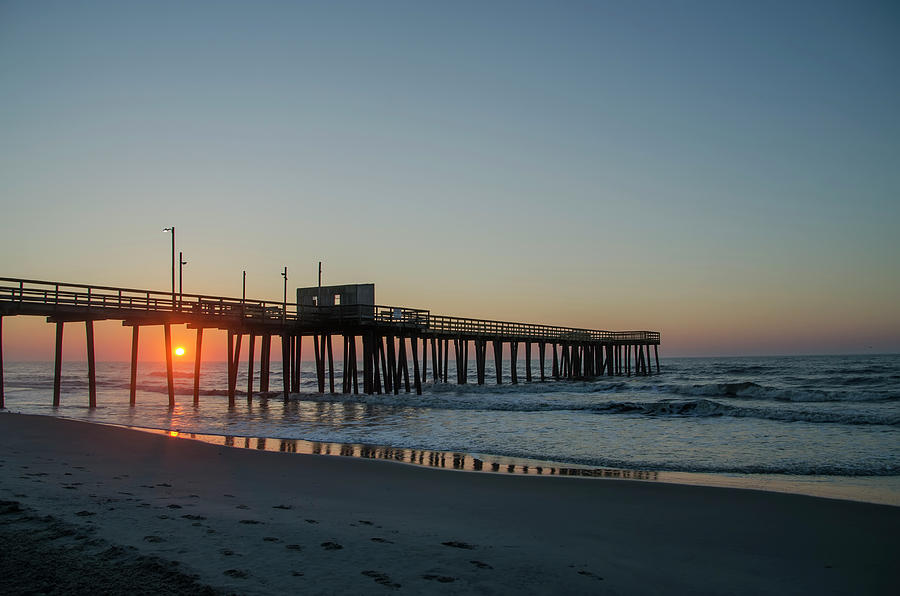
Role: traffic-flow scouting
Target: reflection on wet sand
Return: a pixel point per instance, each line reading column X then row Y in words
column 420, row 457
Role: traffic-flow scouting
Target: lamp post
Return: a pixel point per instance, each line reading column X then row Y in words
column 244, row 287
column 181, row 264
column 284, row 300
column 172, row 229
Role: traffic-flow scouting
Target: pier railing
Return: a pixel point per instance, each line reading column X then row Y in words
column 115, row 301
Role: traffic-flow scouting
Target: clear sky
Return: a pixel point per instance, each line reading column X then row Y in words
column 726, row 173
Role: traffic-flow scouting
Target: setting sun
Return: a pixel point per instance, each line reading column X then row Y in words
column 179, row 351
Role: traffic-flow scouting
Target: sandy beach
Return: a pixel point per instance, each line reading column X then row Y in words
column 85, row 504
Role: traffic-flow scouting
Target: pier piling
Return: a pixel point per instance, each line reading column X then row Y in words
column 132, row 395
column 57, row 367
column 170, row 377
column 250, row 354
column 198, row 350
column 91, row 363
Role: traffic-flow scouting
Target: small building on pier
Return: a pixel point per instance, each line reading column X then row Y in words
column 344, row 295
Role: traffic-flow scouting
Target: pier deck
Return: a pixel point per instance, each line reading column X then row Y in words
column 382, row 331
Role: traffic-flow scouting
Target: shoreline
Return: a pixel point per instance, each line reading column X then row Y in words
column 263, row 522
column 882, row 490
column 851, row 488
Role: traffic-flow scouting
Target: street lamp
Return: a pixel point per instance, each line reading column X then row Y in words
column 172, row 229
column 284, row 300
column 181, row 264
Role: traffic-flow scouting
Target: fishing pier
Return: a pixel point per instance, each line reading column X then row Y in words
column 378, row 341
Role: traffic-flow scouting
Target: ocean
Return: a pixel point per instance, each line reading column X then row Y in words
column 823, row 425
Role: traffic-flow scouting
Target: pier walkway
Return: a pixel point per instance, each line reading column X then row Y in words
column 383, row 333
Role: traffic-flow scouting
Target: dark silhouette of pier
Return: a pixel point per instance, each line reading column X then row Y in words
column 389, row 337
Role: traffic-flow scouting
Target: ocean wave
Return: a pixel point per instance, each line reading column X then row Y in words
column 751, row 390
column 177, row 374
column 704, row 408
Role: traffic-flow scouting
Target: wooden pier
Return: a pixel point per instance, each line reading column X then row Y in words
column 388, row 337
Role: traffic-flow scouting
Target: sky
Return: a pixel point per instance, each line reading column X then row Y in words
column 725, row 173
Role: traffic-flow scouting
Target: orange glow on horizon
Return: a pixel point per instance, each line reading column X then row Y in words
column 173, row 433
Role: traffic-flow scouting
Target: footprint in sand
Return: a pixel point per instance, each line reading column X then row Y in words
column 193, row 517
column 297, row 573
column 282, row 506
column 331, row 546
column 174, row 506
column 236, row 573
column 85, row 513
column 242, row 507
column 458, row 544
column 444, row 579
column 381, row 578
column 293, row 547
column 311, row 521
column 164, row 484
column 481, row 565
column 589, row 574
column 227, row 552
column 250, row 521
column 382, row 540
column 153, row 539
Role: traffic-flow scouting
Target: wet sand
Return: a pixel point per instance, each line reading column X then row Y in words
column 145, row 511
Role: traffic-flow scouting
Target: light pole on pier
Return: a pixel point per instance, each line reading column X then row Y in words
column 172, row 229
column 284, row 300
column 181, row 264
column 244, row 287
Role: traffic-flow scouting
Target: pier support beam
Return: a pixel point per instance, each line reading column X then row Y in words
column 403, row 363
column 415, row 354
column 354, row 368
column 542, row 352
column 386, row 379
column 57, row 367
column 250, row 354
column 424, row 359
column 265, row 362
column 498, row 360
column 170, row 377
column 527, row 361
column 368, row 384
column 330, row 364
column 377, row 362
column 285, row 365
column 233, row 361
column 555, row 369
column 198, row 351
column 91, row 363
column 444, row 367
column 513, row 362
column 296, row 345
column 132, row 394
column 480, row 357
column 656, row 354
column 435, row 361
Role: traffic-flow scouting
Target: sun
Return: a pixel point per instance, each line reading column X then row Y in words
column 179, row 351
